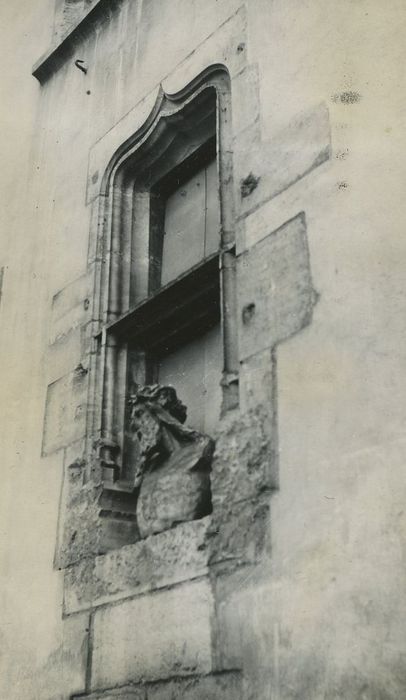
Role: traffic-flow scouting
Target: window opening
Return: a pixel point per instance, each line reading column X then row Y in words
column 171, row 278
column 192, row 223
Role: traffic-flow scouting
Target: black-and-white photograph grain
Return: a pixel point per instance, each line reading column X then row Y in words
column 203, row 350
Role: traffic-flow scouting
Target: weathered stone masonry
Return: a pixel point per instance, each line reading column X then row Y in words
column 153, row 605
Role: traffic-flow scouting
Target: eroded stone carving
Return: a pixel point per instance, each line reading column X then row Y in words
column 174, row 461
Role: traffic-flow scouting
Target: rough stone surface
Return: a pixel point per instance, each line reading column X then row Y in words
column 80, row 527
column 238, row 531
column 244, row 456
column 115, row 531
column 229, row 625
column 65, row 354
column 118, row 694
column 70, row 307
column 153, row 636
column 258, row 384
column 324, row 616
column 172, row 495
column 162, row 560
column 227, row 686
column 275, row 286
column 65, row 410
column 67, row 15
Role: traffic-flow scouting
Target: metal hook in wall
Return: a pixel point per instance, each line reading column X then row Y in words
column 79, row 64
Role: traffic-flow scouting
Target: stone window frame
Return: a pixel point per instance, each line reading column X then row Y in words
column 209, row 93
column 225, row 548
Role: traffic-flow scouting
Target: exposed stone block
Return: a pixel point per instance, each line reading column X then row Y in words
column 70, row 307
column 299, row 148
column 227, row 686
column 230, row 632
column 276, row 296
column 242, row 465
column 258, row 381
column 118, row 694
column 224, row 686
column 70, row 351
column 80, row 527
column 153, row 637
column 74, row 654
column 64, row 355
column 67, row 15
column 65, row 410
column 238, row 531
column 84, row 528
column 162, row 560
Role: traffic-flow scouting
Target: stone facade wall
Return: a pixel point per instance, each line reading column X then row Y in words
column 292, row 587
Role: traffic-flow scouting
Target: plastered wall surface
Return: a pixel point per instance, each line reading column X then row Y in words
column 321, row 616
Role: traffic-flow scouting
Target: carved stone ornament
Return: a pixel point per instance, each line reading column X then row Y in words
column 174, row 461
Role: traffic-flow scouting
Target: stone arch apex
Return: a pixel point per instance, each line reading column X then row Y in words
column 166, row 105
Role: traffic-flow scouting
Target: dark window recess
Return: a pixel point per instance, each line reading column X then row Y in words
column 177, row 333
column 178, row 312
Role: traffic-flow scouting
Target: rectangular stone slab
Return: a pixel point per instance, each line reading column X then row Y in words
column 152, row 637
column 162, row 560
column 275, row 290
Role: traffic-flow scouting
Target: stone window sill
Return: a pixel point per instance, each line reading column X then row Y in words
column 159, row 561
